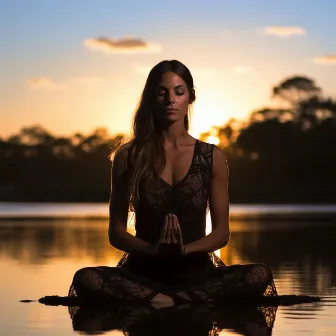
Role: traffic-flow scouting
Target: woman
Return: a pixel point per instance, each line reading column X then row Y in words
column 170, row 180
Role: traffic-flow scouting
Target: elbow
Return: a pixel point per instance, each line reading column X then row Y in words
column 116, row 230
column 225, row 237
column 113, row 236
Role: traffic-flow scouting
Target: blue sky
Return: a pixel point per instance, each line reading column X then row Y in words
column 56, row 74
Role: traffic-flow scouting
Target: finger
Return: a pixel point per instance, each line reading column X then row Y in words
column 172, row 236
column 169, row 229
column 175, row 222
column 175, row 226
column 179, row 234
column 164, row 229
column 173, row 229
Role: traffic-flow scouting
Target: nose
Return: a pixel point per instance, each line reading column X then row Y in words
column 170, row 98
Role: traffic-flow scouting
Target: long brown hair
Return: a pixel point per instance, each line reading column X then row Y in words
column 145, row 147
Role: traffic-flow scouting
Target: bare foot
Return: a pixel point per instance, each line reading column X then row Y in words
column 162, row 301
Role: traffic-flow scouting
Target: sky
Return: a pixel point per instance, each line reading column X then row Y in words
column 74, row 66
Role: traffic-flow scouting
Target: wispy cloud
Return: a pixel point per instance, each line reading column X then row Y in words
column 50, row 84
column 44, row 83
column 284, row 31
column 242, row 69
column 126, row 45
column 326, row 59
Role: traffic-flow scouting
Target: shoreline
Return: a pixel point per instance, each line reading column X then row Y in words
column 100, row 211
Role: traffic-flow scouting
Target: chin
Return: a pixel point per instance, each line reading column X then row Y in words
column 172, row 119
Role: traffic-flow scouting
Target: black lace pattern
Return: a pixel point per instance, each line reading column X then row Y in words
column 188, row 199
column 200, row 276
column 103, row 298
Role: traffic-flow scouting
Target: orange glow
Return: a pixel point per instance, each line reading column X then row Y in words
column 208, row 113
column 213, row 140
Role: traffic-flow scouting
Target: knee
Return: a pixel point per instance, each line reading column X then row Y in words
column 80, row 274
column 87, row 277
column 260, row 273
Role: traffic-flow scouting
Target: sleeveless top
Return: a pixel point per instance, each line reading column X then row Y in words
column 188, row 199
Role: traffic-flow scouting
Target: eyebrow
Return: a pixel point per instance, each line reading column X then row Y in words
column 176, row 87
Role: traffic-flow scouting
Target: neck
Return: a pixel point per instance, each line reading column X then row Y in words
column 174, row 135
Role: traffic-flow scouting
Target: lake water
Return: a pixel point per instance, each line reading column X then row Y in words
column 38, row 257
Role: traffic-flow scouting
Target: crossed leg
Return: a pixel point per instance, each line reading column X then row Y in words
column 248, row 280
column 117, row 283
column 104, row 283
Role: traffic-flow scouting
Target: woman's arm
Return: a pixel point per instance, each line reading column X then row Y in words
column 219, row 208
column 118, row 208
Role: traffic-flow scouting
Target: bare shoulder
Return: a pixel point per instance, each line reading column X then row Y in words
column 219, row 161
column 203, row 143
column 119, row 160
column 218, row 154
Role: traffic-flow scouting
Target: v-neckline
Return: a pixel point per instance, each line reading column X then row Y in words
column 188, row 172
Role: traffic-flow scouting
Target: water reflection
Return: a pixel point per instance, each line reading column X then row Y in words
column 39, row 242
column 198, row 320
column 301, row 255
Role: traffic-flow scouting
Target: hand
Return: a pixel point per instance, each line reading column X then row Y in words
column 170, row 241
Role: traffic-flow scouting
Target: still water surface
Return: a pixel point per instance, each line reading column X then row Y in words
column 39, row 257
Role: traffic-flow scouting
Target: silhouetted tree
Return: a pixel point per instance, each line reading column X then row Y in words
column 281, row 154
column 226, row 134
column 36, row 165
column 271, row 113
column 35, row 135
column 303, row 97
column 315, row 109
column 296, row 89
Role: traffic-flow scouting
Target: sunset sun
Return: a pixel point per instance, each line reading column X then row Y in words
column 209, row 112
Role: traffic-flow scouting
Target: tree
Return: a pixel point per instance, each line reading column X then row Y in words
column 305, row 101
column 35, row 135
column 270, row 113
column 296, row 89
column 316, row 109
column 266, row 138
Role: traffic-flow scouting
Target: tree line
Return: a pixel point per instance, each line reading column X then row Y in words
column 281, row 154
column 285, row 153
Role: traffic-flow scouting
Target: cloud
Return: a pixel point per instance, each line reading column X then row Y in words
column 50, row 84
column 242, row 69
column 44, row 83
column 284, row 31
column 326, row 59
column 127, row 45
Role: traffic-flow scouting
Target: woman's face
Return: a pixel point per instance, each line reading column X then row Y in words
column 172, row 98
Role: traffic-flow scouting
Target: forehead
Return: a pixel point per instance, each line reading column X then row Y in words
column 171, row 80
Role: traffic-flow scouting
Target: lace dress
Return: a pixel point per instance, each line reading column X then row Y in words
column 199, row 276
